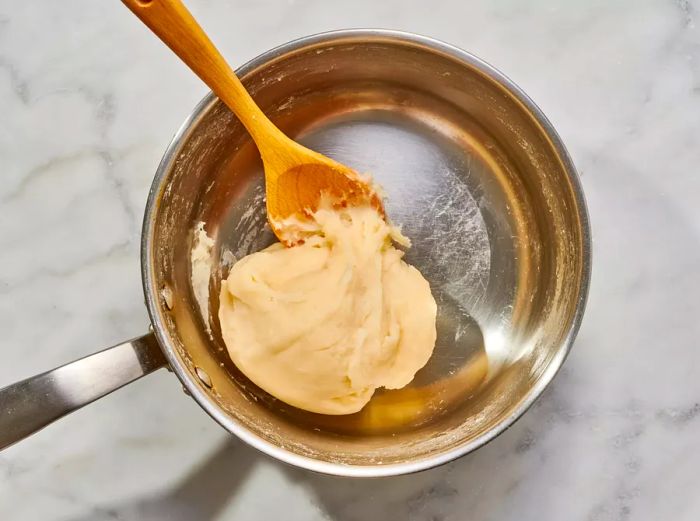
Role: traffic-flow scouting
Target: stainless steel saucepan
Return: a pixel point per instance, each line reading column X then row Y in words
column 476, row 176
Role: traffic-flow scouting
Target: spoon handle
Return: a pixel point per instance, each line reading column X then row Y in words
column 176, row 27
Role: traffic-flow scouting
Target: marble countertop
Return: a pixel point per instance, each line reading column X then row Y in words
column 89, row 101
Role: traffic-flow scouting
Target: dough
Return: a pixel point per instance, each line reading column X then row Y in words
column 323, row 324
column 200, row 271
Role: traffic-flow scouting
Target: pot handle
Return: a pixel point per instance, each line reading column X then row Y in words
column 30, row 405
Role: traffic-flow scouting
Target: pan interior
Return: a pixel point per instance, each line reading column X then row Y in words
column 474, row 181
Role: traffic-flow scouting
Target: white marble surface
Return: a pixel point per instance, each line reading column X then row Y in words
column 89, row 101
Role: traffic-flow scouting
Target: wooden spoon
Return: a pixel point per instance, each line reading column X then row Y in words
column 295, row 177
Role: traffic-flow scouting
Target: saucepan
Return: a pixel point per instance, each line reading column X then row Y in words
column 473, row 173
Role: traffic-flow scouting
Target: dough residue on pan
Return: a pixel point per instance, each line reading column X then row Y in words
column 200, row 270
column 323, row 324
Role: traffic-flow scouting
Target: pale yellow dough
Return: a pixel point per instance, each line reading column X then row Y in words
column 322, row 325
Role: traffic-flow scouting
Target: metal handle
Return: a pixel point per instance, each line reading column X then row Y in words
column 30, row 405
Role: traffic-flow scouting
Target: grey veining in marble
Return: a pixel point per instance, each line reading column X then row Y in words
column 88, row 102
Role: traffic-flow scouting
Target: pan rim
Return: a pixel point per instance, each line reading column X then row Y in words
column 282, row 454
